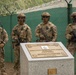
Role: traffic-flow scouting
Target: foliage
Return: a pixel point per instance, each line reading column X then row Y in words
column 12, row 6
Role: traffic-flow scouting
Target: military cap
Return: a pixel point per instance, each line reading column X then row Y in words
column 21, row 15
column 73, row 15
column 45, row 14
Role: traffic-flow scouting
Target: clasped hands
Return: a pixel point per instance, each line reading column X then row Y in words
column 1, row 45
column 42, row 37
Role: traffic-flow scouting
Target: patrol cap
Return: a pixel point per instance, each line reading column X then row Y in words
column 45, row 14
column 73, row 15
column 21, row 15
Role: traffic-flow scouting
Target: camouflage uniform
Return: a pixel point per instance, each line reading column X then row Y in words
column 3, row 40
column 71, row 45
column 20, row 34
column 46, row 32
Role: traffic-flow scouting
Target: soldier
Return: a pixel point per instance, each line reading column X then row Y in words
column 21, row 33
column 71, row 34
column 3, row 40
column 46, row 31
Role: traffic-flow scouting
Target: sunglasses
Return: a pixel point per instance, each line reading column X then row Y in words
column 45, row 16
column 21, row 17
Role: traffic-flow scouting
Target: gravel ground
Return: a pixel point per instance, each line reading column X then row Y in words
column 9, row 68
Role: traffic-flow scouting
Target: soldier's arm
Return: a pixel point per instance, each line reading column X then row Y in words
column 54, row 30
column 37, row 31
column 68, row 33
column 29, row 35
column 14, row 34
column 40, row 34
column 15, row 40
column 5, row 36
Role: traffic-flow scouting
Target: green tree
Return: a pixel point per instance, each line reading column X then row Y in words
column 12, row 6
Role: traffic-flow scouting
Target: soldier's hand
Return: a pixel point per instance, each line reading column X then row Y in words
column 1, row 45
column 42, row 37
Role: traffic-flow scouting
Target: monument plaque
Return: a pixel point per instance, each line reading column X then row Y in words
column 45, row 58
column 45, row 50
column 52, row 71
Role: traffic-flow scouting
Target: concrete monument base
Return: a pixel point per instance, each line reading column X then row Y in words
column 50, row 58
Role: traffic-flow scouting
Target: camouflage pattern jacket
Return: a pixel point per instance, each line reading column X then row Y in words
column 21, row 34
column 3, row 36
column 69, row 32
column 47, row 31
column 71, row 38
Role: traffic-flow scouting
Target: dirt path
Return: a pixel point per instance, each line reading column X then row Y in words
column 9, row 68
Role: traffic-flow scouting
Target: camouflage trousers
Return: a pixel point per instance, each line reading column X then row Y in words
column 17, row 60
column 2, row 67
column 71, row 47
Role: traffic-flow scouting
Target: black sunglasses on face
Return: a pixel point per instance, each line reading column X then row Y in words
column 45, row 16
column 21, row 17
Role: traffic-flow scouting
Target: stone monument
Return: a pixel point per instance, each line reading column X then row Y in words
column 45, row 58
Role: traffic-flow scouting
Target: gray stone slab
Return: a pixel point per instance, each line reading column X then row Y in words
column 39, row 66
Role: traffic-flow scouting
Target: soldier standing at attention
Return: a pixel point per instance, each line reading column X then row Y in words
column 71, row 34
column 21, row 33
column 46, row 31
column 3, row 40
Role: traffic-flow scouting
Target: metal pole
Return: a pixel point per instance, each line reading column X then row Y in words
column 69, row 10
column 11, row 37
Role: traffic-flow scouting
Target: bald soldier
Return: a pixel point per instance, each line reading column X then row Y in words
column 21, row 33
column 46, row 31
column 3, row 40
column 71, row 34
